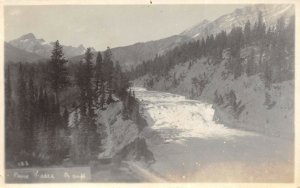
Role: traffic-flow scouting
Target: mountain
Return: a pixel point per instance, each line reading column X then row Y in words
column 13, row 54
column 31, row 44
column 137, row 53
column 239, row 17
column 248, row 89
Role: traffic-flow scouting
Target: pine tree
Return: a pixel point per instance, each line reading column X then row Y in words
column 88, row 79
column 66, row 118
column 81, row 83
column 268, row 75
column 117, row 79
column 102, row 100
column 290, row 36
column 31, row 108
column 250, row 69
column 58, row 74
column 235, row 43
column 107, row 55
column 11, row 133
column 247, row 32
column 109, row 71
column 8, row 98
column 278, row 52
column 22, row 100
column 259, row 28
column 98, row 72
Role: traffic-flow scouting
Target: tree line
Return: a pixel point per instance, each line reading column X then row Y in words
column 271, row 52
column 40, row 97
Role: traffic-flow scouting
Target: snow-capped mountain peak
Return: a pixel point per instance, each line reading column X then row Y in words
column 30, row 43
column 29, row 36
column 239, row 17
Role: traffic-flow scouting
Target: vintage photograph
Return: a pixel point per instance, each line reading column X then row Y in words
column 174, row 93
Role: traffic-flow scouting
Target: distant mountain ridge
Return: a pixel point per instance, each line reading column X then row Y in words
column 132, row 55
column 239, row 17
column 30, row 43
column 137, row 53
column 13, row 54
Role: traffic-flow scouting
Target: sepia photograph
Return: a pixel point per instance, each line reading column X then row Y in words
column 149, row 93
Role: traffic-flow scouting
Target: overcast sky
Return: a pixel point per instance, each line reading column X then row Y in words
column 100, row 26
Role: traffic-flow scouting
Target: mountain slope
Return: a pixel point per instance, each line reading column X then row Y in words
column 239, row 17
column 244, row 102
column 13, row 54
column 137, row 53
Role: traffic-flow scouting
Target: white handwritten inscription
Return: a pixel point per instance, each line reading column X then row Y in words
column 80, row 176
column 21, row 175
column 48, row 174
column 44, row 175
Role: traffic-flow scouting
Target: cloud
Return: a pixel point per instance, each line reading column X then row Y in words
column 15, row 12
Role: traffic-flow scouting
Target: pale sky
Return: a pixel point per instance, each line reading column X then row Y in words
column 100, row 26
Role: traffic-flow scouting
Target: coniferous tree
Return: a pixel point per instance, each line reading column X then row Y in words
column 65, row 118
column 8, row 98
column 11, row 133
column 278, row 52
column 31, row 108
column 247, row 32
column 250, row 67
column 102, row 100
column 290, row 36
column 88, row 79
column 57, row 73
column 23, row 117
column 98, row 72
column 117, row 79
column 109, row 70
column 235, row 44
column 81, row 83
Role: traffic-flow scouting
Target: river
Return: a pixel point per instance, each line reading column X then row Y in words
column 189, row 145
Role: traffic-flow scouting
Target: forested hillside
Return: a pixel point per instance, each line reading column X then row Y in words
column 40, row 98
column 248, row 74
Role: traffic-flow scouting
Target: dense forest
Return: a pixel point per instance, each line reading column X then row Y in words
column 39, row 98
column 275, row 45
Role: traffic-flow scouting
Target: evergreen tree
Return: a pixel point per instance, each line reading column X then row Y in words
column 109, row 70
column 235, row 43
column 11, row 133
column 247, row 32
column 259, row 28
column 31, row 108
column 250, row 67
column 66, row 118
column 57, row 72
column 81, row 83
column 278, row 52
column 268, row 75
column 23, row 115
column 290, row 37
column 102, row 100
column 8, row 98
column 99, row 72
column 119, row 81
column 88, row 79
